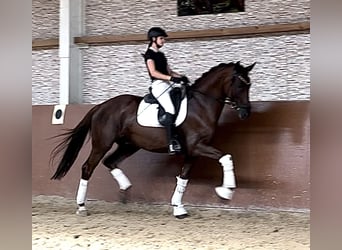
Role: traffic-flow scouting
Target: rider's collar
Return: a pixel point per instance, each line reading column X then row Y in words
column 155, row 50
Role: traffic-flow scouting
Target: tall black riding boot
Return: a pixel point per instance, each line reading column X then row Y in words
column 174, row 145
column 168, row 121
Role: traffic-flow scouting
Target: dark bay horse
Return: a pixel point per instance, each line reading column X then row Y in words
column 115, row 121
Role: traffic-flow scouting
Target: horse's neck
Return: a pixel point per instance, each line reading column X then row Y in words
column 212, row 81
column 214, row 89
column 210, row 100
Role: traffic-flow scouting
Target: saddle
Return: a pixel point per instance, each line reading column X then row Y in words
column 150, row 111
column 177, row 94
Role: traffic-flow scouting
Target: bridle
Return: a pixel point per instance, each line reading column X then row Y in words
column 243, row 80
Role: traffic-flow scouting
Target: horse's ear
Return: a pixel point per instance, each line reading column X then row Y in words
column 238, row 63
column 250, row 67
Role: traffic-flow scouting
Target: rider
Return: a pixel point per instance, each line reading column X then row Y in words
column 162, row 80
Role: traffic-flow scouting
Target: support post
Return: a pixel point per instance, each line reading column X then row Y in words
column 71, row 25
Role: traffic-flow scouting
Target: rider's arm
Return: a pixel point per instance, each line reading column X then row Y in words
column 172, row 73
column 155, row 73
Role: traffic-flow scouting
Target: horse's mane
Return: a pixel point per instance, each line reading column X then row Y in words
column 213, row 69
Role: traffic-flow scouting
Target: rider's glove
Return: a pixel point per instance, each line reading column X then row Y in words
column 185, row 79
column 176, row 79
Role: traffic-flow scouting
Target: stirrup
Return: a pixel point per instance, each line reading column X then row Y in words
column 174, row 147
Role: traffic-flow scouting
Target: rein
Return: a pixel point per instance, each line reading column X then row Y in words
column 220, row 100
column 226, row 100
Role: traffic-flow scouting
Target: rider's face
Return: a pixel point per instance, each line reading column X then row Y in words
column 160, row 41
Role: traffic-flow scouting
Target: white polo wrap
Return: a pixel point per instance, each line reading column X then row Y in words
column 176, row 200
column 228, row 171
column 82, row 192
column 121, row 178
column 179, row 191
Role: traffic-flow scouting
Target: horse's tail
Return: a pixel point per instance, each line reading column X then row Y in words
column 71, row 144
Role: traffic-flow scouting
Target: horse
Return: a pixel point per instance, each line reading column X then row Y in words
column 115, row 121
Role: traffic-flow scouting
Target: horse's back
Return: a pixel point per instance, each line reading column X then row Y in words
column 121, row 105
column 121, row 101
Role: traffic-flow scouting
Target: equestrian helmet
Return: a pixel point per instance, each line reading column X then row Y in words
column 155, row 32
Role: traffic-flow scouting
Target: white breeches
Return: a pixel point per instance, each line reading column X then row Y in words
column 160, row 90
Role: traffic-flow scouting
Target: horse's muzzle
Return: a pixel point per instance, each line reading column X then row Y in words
column 244, row 112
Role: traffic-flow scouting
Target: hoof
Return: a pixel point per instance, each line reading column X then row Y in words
column 224, row 193
column 179, row 212
column 82, row 213
column 124, row 196
column 182, row 216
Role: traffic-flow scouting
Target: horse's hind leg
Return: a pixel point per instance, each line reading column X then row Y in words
column 123, row 151
column 88, row 167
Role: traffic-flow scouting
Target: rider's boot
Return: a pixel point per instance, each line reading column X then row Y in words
column 174, row 145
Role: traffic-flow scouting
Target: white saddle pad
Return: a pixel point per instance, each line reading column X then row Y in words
column 147, row 114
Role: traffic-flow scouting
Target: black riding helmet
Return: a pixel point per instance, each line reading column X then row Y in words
column 155, row 32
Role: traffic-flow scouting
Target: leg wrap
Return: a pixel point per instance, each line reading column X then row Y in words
column 176, row 200
column 82, row 192
column 121, row 178
column 179, row 190
column 225, row 191
column 228, row 172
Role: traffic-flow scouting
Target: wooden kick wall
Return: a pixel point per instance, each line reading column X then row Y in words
column 271, row 154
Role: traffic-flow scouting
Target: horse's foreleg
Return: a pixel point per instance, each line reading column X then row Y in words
column 176, row 200
column 225, row 191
